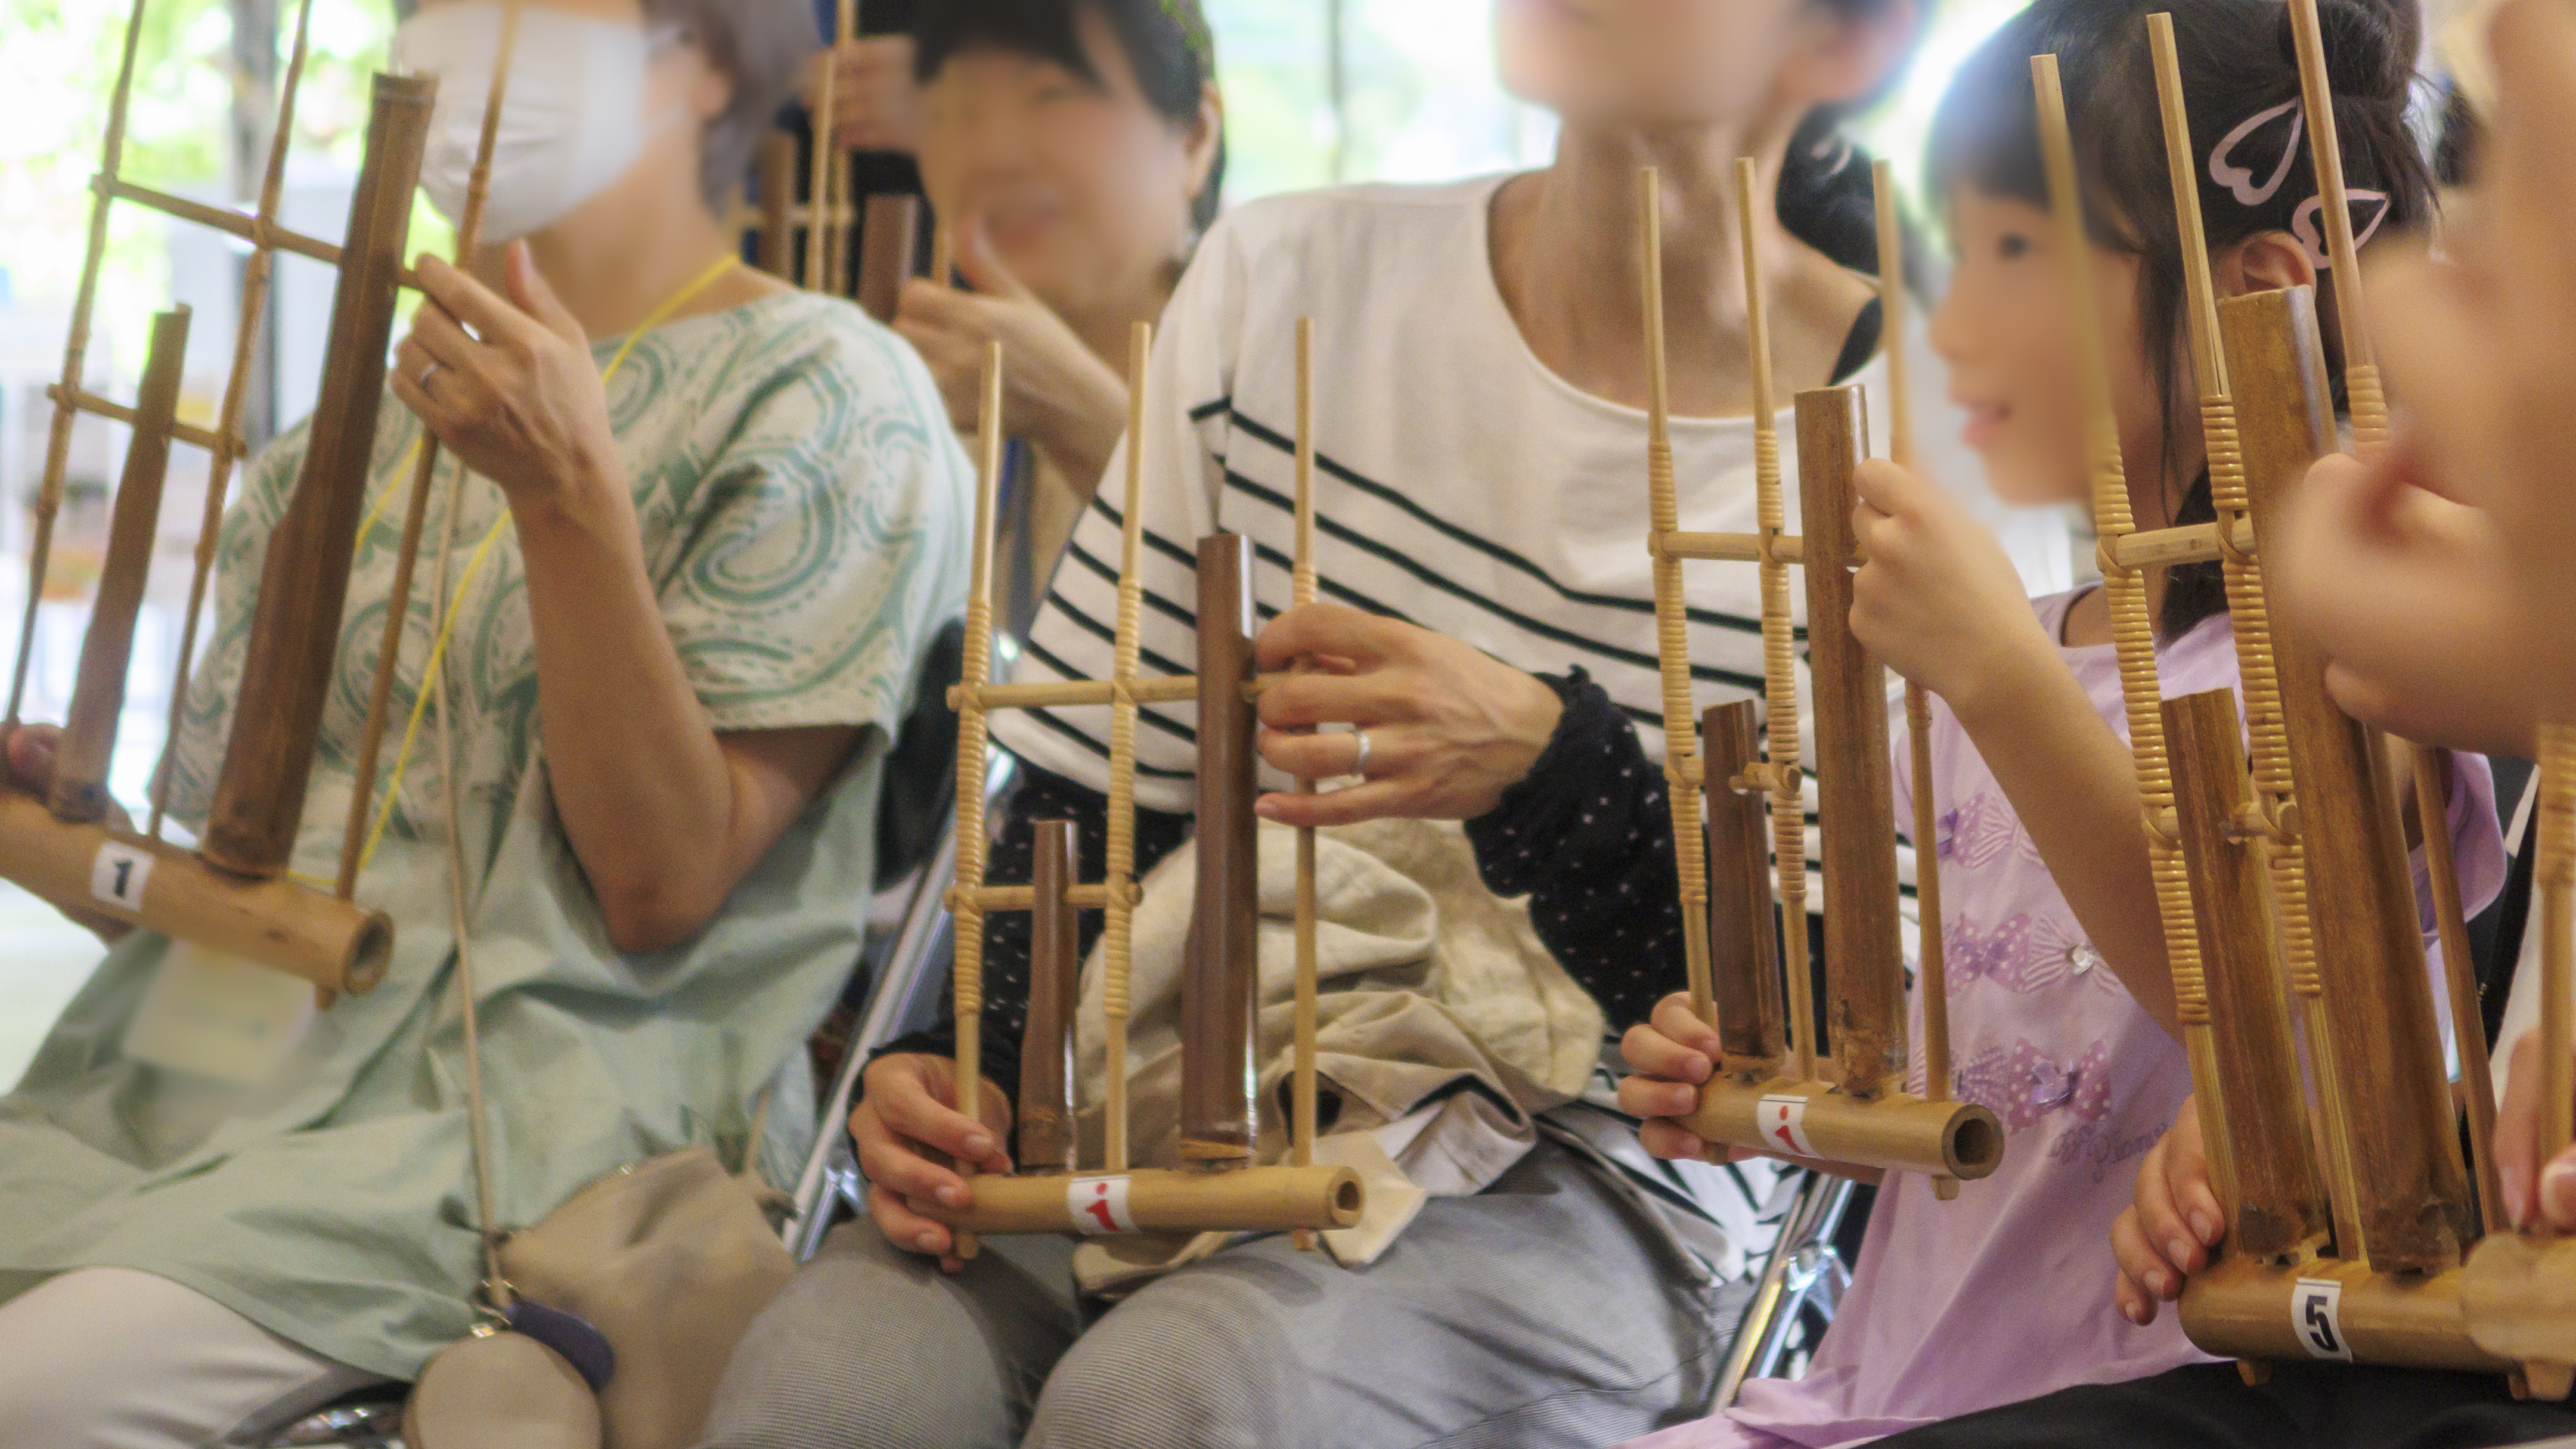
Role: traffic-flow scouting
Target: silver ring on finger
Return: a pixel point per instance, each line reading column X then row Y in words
column 426, row 373
column 1359, row 763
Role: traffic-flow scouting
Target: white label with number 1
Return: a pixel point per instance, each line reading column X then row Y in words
column 2316, row 1316
column 117, row 876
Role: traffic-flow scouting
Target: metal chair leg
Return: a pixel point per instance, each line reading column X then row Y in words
column 1802, row 1274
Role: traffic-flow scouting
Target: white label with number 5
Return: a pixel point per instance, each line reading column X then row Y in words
column 117, row 876
column 2316, row 1315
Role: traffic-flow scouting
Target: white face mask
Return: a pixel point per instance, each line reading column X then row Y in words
column 571, row 125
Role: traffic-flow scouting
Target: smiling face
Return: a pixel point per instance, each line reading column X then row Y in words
column 2008, row 334
column 1081, row 186
column 1656, row 62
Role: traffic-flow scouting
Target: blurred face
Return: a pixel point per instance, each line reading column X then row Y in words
column 2009, row 336
column 1080, row 187
column 1675, row 62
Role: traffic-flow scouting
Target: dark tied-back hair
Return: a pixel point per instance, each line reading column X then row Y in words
column 2238, row 64
column 1826, row 199
column 1167, row 44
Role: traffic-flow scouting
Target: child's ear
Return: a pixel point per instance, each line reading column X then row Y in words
column 2265, row 262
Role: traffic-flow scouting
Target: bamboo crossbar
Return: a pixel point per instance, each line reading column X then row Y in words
column 2149, row 549
column 1076, row 693
column 248, row 226
column 116, row 412
column 1007, row 899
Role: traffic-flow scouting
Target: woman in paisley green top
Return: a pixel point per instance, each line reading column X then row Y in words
column 691, row 602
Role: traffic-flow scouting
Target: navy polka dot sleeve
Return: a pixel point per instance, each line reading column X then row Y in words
column 1588, row 837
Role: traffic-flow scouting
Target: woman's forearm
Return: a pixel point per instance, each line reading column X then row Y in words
column 2075, row 787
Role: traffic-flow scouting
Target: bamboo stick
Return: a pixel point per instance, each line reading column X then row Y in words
column 778, row 205
column 836, row 261
column 1116, row 938
column 1072, row 693
column 825, row 142
column 887, row 237
column 2460, row 976
column 254, row 230
column 205, row 439
column 1302, row 1104
column 973, row 759
column 1048, row 1142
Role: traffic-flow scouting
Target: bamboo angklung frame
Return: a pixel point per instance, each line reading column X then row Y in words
column 1219, row 1195
column 233, row 897
column 1859, row 1116
column 887, row 224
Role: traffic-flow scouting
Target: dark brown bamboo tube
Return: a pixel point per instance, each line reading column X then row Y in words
column 2279, row 1203
column 2411, row 1187
column 1048, row 1143
column 1218, row 1003
column 778, row 205
column 107, row 651
column 295, row 633
column 889, row 237
column 1744, row 953
column 1856, row 806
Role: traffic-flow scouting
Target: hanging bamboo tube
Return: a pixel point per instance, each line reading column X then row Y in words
column 889, row 230
column 1117, row 935
column 778, row 205
column 1302, row 1104
column 1048, row 1143
column 295, row 633
column 88, row 744
column 2373, row 1035
column 1744, row 960
column 1220, row 1006
column 1672, row 617
column 257, row 269
column 371, row 738
column 972, row 743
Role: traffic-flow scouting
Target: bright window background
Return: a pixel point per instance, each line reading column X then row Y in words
column 1317, row 91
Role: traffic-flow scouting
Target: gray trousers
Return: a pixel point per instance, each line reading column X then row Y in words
column 1553, row 1309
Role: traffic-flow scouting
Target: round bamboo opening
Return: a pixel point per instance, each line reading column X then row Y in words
column 1976, row 1146
column 371, row 954
column 1347, row 1200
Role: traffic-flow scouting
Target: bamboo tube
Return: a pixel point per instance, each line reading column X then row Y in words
column 820, row 203
column 973, row 759
column 2267, row 1181
column 2249, row 1310
column 2558, row 937
column 295, row 633
column 1958, row 1140
column 257, row 269
column 1779, row 639
column 778, row 205
column 887, row 239
column 371, row 738
column 1047, row 1139
column 58, row 444
column 1220, row 1006
column 836, row 261
column 1116, row 937
column 1068, row 693
column 340, row 948
column 1855, row 798
column 2460, row 976
column 79, row 794
column 1302, row 1104
column 1255, row 1199
column 2367, row 997
column 205, row 439
column 2369, row 402
column 1672, row 616
column 1744, row 958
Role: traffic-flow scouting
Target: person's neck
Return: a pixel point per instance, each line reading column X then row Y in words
column 1107, row 319
column 614, row 272
column 1568, row 255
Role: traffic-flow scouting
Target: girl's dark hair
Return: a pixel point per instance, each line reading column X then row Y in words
column 2238, row 62
column 1167, row 43
column 1826, row 199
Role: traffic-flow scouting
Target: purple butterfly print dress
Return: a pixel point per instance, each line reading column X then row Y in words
column 2005, row 1294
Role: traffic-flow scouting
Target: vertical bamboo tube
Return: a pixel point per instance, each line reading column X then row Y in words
column 1220, row 1006
column 2369, row 1004
column 256, row 271
column 887, row 234
column 2460, row 977
column 1672, row 617
column 821, row 204
column 1048, row 1143
column 295, row 632
column 1302, row 1100
column 371, row 739
column 1744, row 960
column 58, row 443
column 836, row 262
column 2555, row 878
column 107, row 651
column 778, row 205
column 2270, row 1189
column 973, row 760
column 1779, row 639
column 1117, row 935
column 1855, row 797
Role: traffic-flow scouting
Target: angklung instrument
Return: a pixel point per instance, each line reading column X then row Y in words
column 1219, row 1186
column 888, row 224
column 1770, row 1092
column 2349, row 1210
column 234, row 894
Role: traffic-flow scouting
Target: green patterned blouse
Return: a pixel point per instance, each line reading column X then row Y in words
column 805, row 514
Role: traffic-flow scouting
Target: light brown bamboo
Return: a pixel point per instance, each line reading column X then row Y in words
column 2518, row 1295
column 997, row 900
column 820, row 203
column 1744, row 958
column 1302, row 1103
column 371, row 737
column 973, row 760
column 887, row 236
column 2555, row 871
column 79, row 795
column 250, row 229
column 2460, row 976
column 1255, row 1199
column 1117, row 936
column 836, row 262
column 1220, row 973
column 1896, row 1130
column 778, row 205
column 2369, row 402
column 1048, row 1141
column 2245, row 1309
column 206, row 439
column 1070, row 693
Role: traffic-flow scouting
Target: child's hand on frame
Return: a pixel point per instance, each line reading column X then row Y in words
column 2535, row 1190
column 2172, row 1223
column 1669, row 1059
column 1937, row 602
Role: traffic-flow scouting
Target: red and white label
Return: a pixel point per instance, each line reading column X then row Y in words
column 1784, row 1124
column 1099, row 1205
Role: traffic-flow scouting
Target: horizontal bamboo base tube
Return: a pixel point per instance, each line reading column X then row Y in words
column 1900, row 1132
column 2246, row 1309
column 1075, row 693
column 2519, row 1295
column 1255, row 1199
column 332, row 943
column 2159, row 548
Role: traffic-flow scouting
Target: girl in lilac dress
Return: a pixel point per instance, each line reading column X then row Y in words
column 2061, row 1003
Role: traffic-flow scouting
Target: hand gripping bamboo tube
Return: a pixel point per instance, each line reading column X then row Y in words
column 1896, row 1130
column 1048, row 1142
column 1254, row 1199
column 1744, row 962
column 1220, row 1009
column 88, row 745
column 304, row 584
